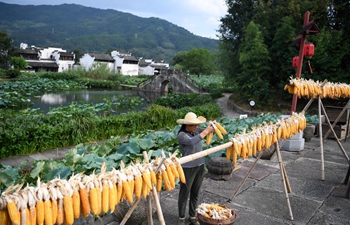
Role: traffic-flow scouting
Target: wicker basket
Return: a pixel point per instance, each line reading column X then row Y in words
column 208, row 221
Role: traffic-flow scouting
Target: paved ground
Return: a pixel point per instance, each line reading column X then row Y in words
column 262, row 199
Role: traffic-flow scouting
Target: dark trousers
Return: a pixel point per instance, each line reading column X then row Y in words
column 194, row 178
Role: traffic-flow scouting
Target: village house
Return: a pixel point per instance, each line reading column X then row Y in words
column 58, row 60
column 93, row 60
column 46, row 59
column 125, row 63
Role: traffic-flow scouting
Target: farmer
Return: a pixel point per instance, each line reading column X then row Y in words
column 190, row 141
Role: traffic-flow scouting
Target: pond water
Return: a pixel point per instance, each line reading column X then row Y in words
column 53, row 100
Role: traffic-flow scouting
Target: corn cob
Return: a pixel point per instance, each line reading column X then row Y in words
column 54, row 204
column 74, row 184
column 31, row 203
column 208, row 139
column 170, row 177
column 67, row 192
column 105, row 196
column 94, row 200
column 13, row 210
column 84, row 199
column 4, row 217
column 159, row 182
column 47, row 205
column 221, row 128
column 60, row 210
column 112, row 195
column 40, row 208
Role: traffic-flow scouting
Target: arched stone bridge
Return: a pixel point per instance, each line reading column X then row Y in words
column 179, row 83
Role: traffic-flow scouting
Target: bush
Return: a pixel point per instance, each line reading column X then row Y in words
column 13, row 73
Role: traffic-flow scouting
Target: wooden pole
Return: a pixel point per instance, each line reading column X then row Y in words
column 245, row 178
column 336, row 121
column 155, row 193
column 335, row 135
column 320, row 135
column 283, row 174
column 149, row 199
column 128, row 214
column 206, row 152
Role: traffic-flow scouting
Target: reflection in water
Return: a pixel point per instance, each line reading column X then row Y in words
column 54, row 100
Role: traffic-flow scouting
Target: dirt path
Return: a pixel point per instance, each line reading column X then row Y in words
column 225, row 110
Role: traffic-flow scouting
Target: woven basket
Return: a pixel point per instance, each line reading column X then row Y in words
column 208, row 221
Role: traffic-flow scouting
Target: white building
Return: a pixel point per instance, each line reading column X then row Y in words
column 90, row 60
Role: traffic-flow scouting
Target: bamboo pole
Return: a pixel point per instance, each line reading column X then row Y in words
column 246, row 176
column 128, row 214
column 335, row 135
column 206, row 152
column 336, row 120
column 149, row 199
column 320, row 135
column 284, row 180
column 155, row 194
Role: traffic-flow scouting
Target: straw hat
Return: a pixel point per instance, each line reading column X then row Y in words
column 191, row 119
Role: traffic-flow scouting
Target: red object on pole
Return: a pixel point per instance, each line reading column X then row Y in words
column 309, row 50
column 295, row 61
column 301, row 58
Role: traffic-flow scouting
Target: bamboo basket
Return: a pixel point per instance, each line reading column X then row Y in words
column 209, row 221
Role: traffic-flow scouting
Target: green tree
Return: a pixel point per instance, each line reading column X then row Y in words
column 6, row 50
column 200, row 61
column 254, row 59
column 18, row 63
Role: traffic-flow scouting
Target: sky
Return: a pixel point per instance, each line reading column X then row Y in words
column 200, row 17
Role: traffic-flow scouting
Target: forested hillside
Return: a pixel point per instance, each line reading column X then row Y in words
column 72, row 27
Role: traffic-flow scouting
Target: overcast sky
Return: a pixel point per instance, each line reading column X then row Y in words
column 200, row 17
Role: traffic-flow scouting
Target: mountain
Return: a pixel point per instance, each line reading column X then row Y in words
column 87, row 29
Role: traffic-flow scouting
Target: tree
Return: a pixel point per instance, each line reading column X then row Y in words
column 6, row 50
column 254, row 59
column 196, row 61
column 18, row 63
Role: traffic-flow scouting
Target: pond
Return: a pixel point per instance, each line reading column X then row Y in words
column 53, row 100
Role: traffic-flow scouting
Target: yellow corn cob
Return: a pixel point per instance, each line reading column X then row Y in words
column 76, row 204
column 99, row 200
column 4, row 217
column 218, row 133
column 236, row 148
column 254, row 146
column 28, row 221
column 153, row 177
column 166, row 181
column 112, row 196
column 48, row 212
column 145, row 190
column 40, row 212
column 85, row 202
column 14, row 213
column 208, row 139
column 146, row 178
column 234, row 157
column 93, row 197
column 159, row 182
column 68, row 209
column 174, row 170
column 60, row 212
column 228, row 153
column 119, row 191
column 132, row 186
column 181, row 173
column 221, row 128
column 105, row 197
column 170, row 177
column 127, row 191
column 54, row 207
column 138, row 186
